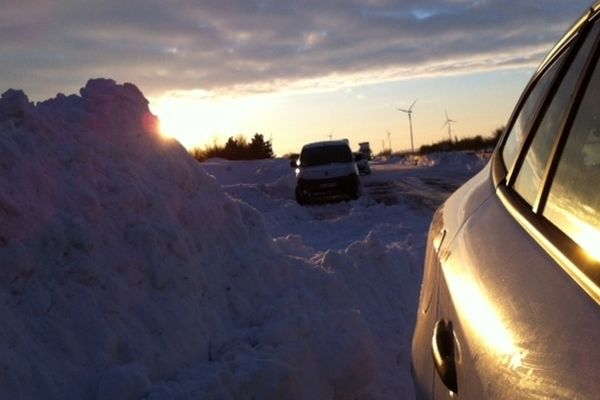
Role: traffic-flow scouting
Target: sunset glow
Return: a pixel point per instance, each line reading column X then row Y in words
column 292, row 73
column 586, row 235
column 200, row 118
column 363, row 112
column 483, row 318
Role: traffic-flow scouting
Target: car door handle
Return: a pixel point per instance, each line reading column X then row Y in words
column 442, row 346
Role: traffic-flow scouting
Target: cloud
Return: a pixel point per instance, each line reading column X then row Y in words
column 260, row 45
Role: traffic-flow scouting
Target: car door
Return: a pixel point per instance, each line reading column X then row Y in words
column 517, row 313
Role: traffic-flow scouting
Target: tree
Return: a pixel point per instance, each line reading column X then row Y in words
column 259, row 149
column 472, row 143
column 237, row 148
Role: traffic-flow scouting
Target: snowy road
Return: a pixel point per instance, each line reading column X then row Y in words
column 423, row 193
column 391, row 219
column 397, row 203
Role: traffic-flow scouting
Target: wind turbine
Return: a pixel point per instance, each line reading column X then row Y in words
column 389, row 140
column 449, row 122
column 409, row 112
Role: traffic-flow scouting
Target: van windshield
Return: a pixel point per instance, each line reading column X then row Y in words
column 325, row 155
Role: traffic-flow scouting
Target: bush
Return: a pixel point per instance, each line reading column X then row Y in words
column 473, row 143
column 237, row 148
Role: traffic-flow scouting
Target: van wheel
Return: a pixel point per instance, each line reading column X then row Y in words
column 302, row 200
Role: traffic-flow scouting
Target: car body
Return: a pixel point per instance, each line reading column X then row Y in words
column 362, row 163
column 510, row 301
column 326, row 170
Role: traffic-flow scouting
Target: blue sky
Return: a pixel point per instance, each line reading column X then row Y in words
column 293, row 70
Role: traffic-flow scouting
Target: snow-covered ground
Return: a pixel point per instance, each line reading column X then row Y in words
column 129, row 270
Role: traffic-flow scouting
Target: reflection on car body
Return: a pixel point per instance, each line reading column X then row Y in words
column 509, row 305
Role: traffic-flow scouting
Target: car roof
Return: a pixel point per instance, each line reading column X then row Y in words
column 326, row 143
column 588, row 14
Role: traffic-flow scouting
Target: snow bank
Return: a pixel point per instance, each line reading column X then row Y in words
column 469, row 161
column 128, row 272
column 248, row 172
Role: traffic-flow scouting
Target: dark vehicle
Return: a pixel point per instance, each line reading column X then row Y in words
column 326, row 170
column 362, row 163
column 365, row 148
column 509, row 306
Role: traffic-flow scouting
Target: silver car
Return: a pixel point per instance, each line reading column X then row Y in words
column 509, row 306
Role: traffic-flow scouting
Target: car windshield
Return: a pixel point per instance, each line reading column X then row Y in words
column 325, row 155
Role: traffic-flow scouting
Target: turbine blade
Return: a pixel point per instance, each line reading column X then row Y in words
column 447, row 118
column 403, row 110
column 411, row 106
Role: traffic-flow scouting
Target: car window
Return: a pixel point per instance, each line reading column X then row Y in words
column 573, row 203
column 519, row 128
column 530, row 175
column 325, row 155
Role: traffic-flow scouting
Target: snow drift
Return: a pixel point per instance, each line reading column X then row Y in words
column 126, row 272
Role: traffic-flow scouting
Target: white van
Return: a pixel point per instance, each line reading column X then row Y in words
column 326, row 169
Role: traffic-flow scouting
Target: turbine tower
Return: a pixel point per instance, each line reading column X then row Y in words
column 389, row 140
column 449, row 122
column 409, row 112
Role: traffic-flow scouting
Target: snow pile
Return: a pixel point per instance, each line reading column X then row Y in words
column 461, row 160
column 127, row 272
column 468, row 161
column 270, row 178
column 242, row 172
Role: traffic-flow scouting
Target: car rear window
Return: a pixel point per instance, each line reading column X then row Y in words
column 555, row 175
column 325, row 155
column 573, row 203
column 528, row 111
column 529, row 179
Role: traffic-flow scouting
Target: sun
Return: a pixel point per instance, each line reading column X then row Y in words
column 197, row 118
column 177, row 122
column 192, row 120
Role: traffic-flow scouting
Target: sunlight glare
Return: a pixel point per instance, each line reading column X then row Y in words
column 577, row 221
column 198, row 118
column 485, row 321
column 586, row 236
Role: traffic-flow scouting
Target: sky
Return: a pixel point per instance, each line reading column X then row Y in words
column 295, row 71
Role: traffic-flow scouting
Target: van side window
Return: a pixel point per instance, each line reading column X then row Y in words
column 532, row 171
column 527, row 113
column 573, row 203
